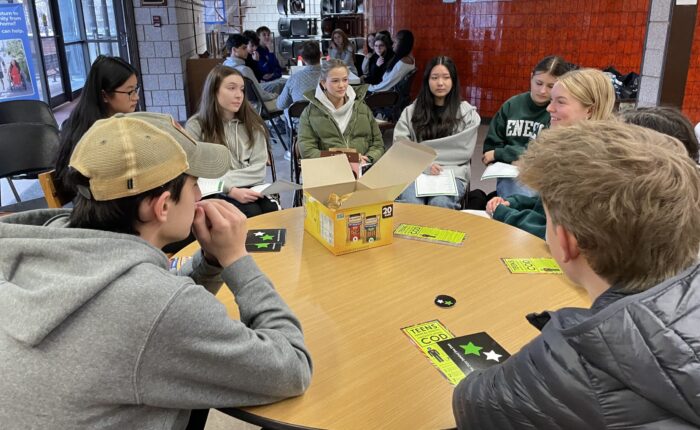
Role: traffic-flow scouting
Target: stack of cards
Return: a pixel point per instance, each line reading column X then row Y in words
column 472, row 352
column 265, row 240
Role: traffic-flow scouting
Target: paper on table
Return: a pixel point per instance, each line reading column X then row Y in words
column 210, row 186
column 500, row 170
column 436, row 185
column 276, row 187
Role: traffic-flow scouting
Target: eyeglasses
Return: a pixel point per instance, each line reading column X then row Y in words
column 131, row 93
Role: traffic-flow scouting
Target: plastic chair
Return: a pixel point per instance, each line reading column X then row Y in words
column 255, row 98
column 27, row 150
column 27, row 111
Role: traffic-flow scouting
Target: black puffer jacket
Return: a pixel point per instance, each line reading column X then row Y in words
column 628, row 362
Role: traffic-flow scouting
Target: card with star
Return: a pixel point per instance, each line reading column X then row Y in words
column 263, row 247
column 274, row 235
column 472, row 352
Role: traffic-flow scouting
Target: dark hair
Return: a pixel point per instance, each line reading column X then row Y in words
column 118, row 215
column 386, row 34
column 261, row 29
column 553, row 64
column 387, row 42
column 209, row 113
column 666, row 120
column 106, row 75
column 235, row 41
column 426, row 121
column 252, row 37
column 311, row 52
column 370, row 49
column 404, row 46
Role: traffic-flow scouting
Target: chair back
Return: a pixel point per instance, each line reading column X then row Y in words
column 253, row 96
column 404, row 90
column 27, row 111
column 382, row 99
column 27, row 148
column 296, row 108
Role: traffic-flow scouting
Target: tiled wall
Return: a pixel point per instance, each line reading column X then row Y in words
column 495, row 44
column 691, row 100
column 163, row 51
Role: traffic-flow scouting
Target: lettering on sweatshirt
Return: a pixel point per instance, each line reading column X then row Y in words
column 524, row 128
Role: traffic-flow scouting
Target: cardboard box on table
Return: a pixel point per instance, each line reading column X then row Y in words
column 365, row 217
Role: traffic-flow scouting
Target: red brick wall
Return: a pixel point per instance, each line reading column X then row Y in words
column 495, row 44
column 691, row 99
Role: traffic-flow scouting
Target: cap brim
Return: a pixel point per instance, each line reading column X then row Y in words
column 209, row 160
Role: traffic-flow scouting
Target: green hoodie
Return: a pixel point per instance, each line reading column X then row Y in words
column 517, row 122
column 318, row 131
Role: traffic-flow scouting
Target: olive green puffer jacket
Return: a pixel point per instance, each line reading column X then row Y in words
column 318, row 131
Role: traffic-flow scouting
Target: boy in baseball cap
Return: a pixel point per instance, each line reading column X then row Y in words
column 95, row 331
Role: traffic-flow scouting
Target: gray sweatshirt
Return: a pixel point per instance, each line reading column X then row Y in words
column 453, row 152
column 248, row 157
column 96, row 332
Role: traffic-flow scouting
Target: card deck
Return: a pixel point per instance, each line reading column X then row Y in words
column 472, row 352
column 263, row 247
column 276, row 235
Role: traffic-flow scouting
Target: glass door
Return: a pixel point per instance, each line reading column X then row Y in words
column 49, row 44
column 101, row 28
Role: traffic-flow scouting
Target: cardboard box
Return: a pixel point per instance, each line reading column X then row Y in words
column 364, row 218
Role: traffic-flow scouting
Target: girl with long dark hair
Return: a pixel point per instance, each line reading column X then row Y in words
column 111, row 87
column 227, row 118
column 440, row 119
column 378, row 62
column 399, row 66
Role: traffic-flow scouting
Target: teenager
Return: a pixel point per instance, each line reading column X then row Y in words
column 579, row 95
column 399, row 66
column 378, row 62
column 225, row 117
column 340, row 48
column 111, row 87
column 238, row 46
column 338, row 117
column 440, row 119
column 623, row 223
column 95, row 331
column 519, row 120
column 267, row 60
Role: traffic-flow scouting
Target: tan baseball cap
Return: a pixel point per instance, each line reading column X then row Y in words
column 128, row 154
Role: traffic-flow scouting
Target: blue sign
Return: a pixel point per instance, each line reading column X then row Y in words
column 16, row 67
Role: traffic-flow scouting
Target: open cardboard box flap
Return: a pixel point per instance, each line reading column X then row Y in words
column 397, row 168
column 320, row 172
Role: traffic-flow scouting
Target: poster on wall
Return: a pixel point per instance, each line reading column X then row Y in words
column 16, row 72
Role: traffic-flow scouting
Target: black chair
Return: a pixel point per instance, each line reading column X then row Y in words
column 404, row 90
column 27, row 150
column 255, row 98
column 29, row 111
column 381, row 102
column 293, row 113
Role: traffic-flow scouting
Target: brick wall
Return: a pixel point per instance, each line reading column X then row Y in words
column 495, row 44
column 163, row 51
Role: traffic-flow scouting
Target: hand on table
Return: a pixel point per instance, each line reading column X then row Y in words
column 244, row 195
column 221, row 231
column 488, row 157
column 493, row 204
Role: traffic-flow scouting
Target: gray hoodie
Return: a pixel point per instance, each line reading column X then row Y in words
column 96, row 332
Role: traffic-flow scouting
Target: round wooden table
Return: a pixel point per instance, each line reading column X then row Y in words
column 367, row 373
